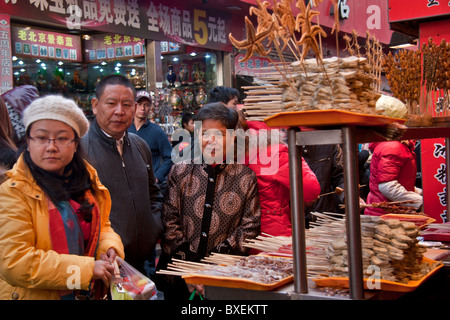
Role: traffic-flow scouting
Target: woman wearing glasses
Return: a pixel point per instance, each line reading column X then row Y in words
column 55, row 235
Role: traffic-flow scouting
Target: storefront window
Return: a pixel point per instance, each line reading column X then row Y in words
column 72, row 65
column 189, row 73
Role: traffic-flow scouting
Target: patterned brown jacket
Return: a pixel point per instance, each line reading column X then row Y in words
column 210, row 208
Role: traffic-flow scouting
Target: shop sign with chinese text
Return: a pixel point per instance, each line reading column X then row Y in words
column 113, row 46
column 434, row 179
column 401, row 10
column 176, row 21
column 248, row 67
column 6, row 79
column 45, row 44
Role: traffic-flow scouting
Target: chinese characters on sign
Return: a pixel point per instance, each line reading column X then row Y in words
column 6, row 79
column 188, row 26
column 39, row 43
column 434, row 179
column 113, row 46
column 247, row 68
column 157, row 19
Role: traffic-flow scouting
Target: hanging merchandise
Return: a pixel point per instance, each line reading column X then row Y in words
column 175, row 99
column 183, row 76
column 198, row 75
column 188, row 98
column 201, row 97
column 171, row 76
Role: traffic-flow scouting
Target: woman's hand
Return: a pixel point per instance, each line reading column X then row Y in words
column 104, row 271
column 104, row 268
column 110, row 255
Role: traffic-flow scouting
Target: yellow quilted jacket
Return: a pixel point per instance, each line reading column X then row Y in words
column 29, row 268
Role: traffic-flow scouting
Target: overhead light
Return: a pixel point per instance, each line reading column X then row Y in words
column 20, row 62
column 60, row 63
column 14, row 58
column 60, row 69
column 117, row 68
column 103, row 63
column 403, row 46
column 234, row 8
column 38, row 60
column 207, row 55
column 101, row 70
column 193, row 54
column 118, row 64
column 131, row 60
column 162, row 57
column 87, row 37
column 175, row 59
column 42, row 65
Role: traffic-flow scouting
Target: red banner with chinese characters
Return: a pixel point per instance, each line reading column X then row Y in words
column 433, row 150
column 38, row 43
column 113, row 46
column 401, row 10
column 176, row 21
column 6, row 79
column 434, row 179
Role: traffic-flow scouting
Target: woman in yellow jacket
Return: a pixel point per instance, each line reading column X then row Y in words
column 56, row 240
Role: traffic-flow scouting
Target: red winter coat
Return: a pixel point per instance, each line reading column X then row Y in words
column 391, row 160
column 274, row 188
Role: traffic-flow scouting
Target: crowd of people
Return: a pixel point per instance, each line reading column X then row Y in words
column 79, row 194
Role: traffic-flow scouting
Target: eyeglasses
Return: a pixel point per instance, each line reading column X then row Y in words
column 60, row 142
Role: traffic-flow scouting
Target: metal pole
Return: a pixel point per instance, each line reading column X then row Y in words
column 352, row 213
column 298, row 214
column 447, row 171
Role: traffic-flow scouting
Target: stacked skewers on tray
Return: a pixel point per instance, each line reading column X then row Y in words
column 390, row 245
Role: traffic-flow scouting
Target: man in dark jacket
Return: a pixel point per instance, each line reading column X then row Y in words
column 155, row 138
column 326, row 162
column 123, row 163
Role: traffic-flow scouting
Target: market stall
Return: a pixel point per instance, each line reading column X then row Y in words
column 336, row 101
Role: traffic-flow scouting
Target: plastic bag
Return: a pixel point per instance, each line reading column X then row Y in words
column 130, row 284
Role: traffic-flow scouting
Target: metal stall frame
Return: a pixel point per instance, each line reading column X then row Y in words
column 349, row 137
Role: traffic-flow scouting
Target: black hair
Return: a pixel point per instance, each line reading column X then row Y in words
column 186, row 118
column 73, row 184
column 114, row 79
column 222, row 94
column 218, row 111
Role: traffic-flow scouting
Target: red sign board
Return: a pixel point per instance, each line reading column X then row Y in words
column 434, row 179
column 401, row 10
column 6, row 79
column 433, row 151
column 160, row 20
column 38, row 43
column 113, row 46
column 361, row 16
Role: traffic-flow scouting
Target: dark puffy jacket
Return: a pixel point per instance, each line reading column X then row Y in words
column 326, row 163
column 391, row 160
column 136, row 198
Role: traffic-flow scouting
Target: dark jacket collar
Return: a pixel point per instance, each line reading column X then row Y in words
column 110, row 141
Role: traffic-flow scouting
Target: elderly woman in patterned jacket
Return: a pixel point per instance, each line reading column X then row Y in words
column 211, row 206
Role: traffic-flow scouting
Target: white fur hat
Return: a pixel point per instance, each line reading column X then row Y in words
column 55, row 107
